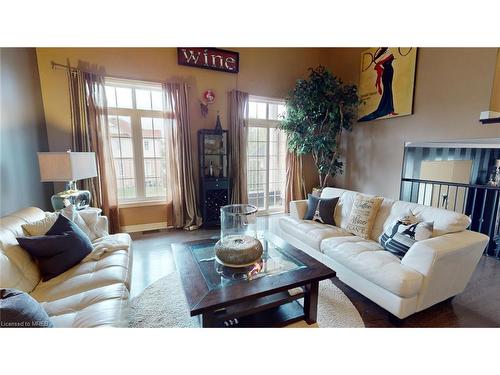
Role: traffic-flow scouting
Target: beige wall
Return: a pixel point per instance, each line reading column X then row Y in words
column 22, row 132
column 263, row 71
column 453, row 85
column 495, row 92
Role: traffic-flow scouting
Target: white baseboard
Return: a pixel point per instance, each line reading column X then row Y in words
column 143, row 227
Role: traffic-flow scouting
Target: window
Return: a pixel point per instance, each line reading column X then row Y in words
column 266, row 154
column 137, row 131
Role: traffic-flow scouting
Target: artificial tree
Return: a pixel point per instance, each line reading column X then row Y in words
column 319, row 109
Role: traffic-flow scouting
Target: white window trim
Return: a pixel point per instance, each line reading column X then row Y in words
column 135, row 119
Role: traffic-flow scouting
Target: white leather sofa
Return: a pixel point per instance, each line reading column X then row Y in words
column 94, row 293
column 432, row 270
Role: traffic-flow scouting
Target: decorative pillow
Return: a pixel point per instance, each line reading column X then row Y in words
column 71, row 213
column 363, row 213
column 321, row 209
column 403, row 233
column 18, row 309
column 63, row 247
column 40, row 227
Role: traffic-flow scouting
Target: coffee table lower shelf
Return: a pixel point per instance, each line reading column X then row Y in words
column 275, row 310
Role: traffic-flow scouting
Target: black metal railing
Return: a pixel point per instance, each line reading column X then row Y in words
column 479, row 202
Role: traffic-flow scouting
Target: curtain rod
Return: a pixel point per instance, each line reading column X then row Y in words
column 70, row 68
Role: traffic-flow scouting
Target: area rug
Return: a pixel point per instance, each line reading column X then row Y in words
column 163, row 305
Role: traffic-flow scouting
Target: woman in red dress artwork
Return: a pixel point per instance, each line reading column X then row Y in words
column 385, row 74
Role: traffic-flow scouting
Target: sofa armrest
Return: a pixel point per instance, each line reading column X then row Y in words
column 424, row 255
column 298, row 209
column 446, row 262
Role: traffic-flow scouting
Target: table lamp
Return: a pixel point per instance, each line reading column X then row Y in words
column 68, row 167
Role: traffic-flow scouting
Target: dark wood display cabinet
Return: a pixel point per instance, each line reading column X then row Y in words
column 214, row 180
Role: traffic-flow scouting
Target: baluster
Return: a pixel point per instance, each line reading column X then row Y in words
column 491, row 234
column 439, row 195
column 447, row 196
column 466, row 196
column 481, row 219
column 456, row 195
column 473, row 207
column 425, row 192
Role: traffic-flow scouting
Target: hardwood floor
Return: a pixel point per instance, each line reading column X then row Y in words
column 477, row 306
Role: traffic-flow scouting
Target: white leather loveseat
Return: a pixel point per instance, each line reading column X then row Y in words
column 432, row 270
column 94, row 293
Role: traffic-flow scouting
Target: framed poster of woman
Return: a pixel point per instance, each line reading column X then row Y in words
column 386, row 82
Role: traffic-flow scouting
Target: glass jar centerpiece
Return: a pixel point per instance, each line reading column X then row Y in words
column 238, row 245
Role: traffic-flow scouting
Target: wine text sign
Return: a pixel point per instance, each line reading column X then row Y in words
column 209, row 58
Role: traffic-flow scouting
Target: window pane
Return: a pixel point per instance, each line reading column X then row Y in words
column 261, row 110
column 154, row 188
column 128, row 168
column 149, row 168
column 113, row 125
column 115, row 147
column 252, row 134
column 118, row 168
column 281, row 111
column 159, row 127
column 126, row 148
column 127, row 189
column 125, row 126
column 148, row 147
column 157, row 97
column 252, row 110
column 273, row 111
column 142, row 99
column 147, row 126
column 262, row 134
column 110, row 96
column 124, row 97
column 159, row 148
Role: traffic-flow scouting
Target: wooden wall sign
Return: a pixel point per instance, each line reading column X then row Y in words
column 209, row 58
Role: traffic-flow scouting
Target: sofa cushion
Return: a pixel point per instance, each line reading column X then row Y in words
column 113, row 267
column 310, row 232
column 99, row 307
column 444, row 221
column 369, row 260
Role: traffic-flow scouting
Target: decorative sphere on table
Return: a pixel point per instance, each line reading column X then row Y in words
column 238, row 246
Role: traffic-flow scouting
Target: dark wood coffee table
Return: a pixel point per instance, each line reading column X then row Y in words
column 265, row 294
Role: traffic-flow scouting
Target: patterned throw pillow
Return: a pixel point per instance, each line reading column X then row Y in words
column 363, row 214
column 321, row 209
column 404, row 232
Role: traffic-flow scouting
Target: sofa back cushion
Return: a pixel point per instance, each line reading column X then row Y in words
column 445, row 221
column 18, row 269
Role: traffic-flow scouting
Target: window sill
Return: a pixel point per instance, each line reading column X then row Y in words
column 142, row 203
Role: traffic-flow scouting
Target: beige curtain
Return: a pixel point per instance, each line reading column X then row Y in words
column 238, row 129
column 294, row 185
column 182, row 190
column 89, row 123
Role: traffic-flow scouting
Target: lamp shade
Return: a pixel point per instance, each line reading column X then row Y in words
column 66, row 166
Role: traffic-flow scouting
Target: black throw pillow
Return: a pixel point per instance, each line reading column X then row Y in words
column 62, row 247
column 19, row 310
column 321, row 209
